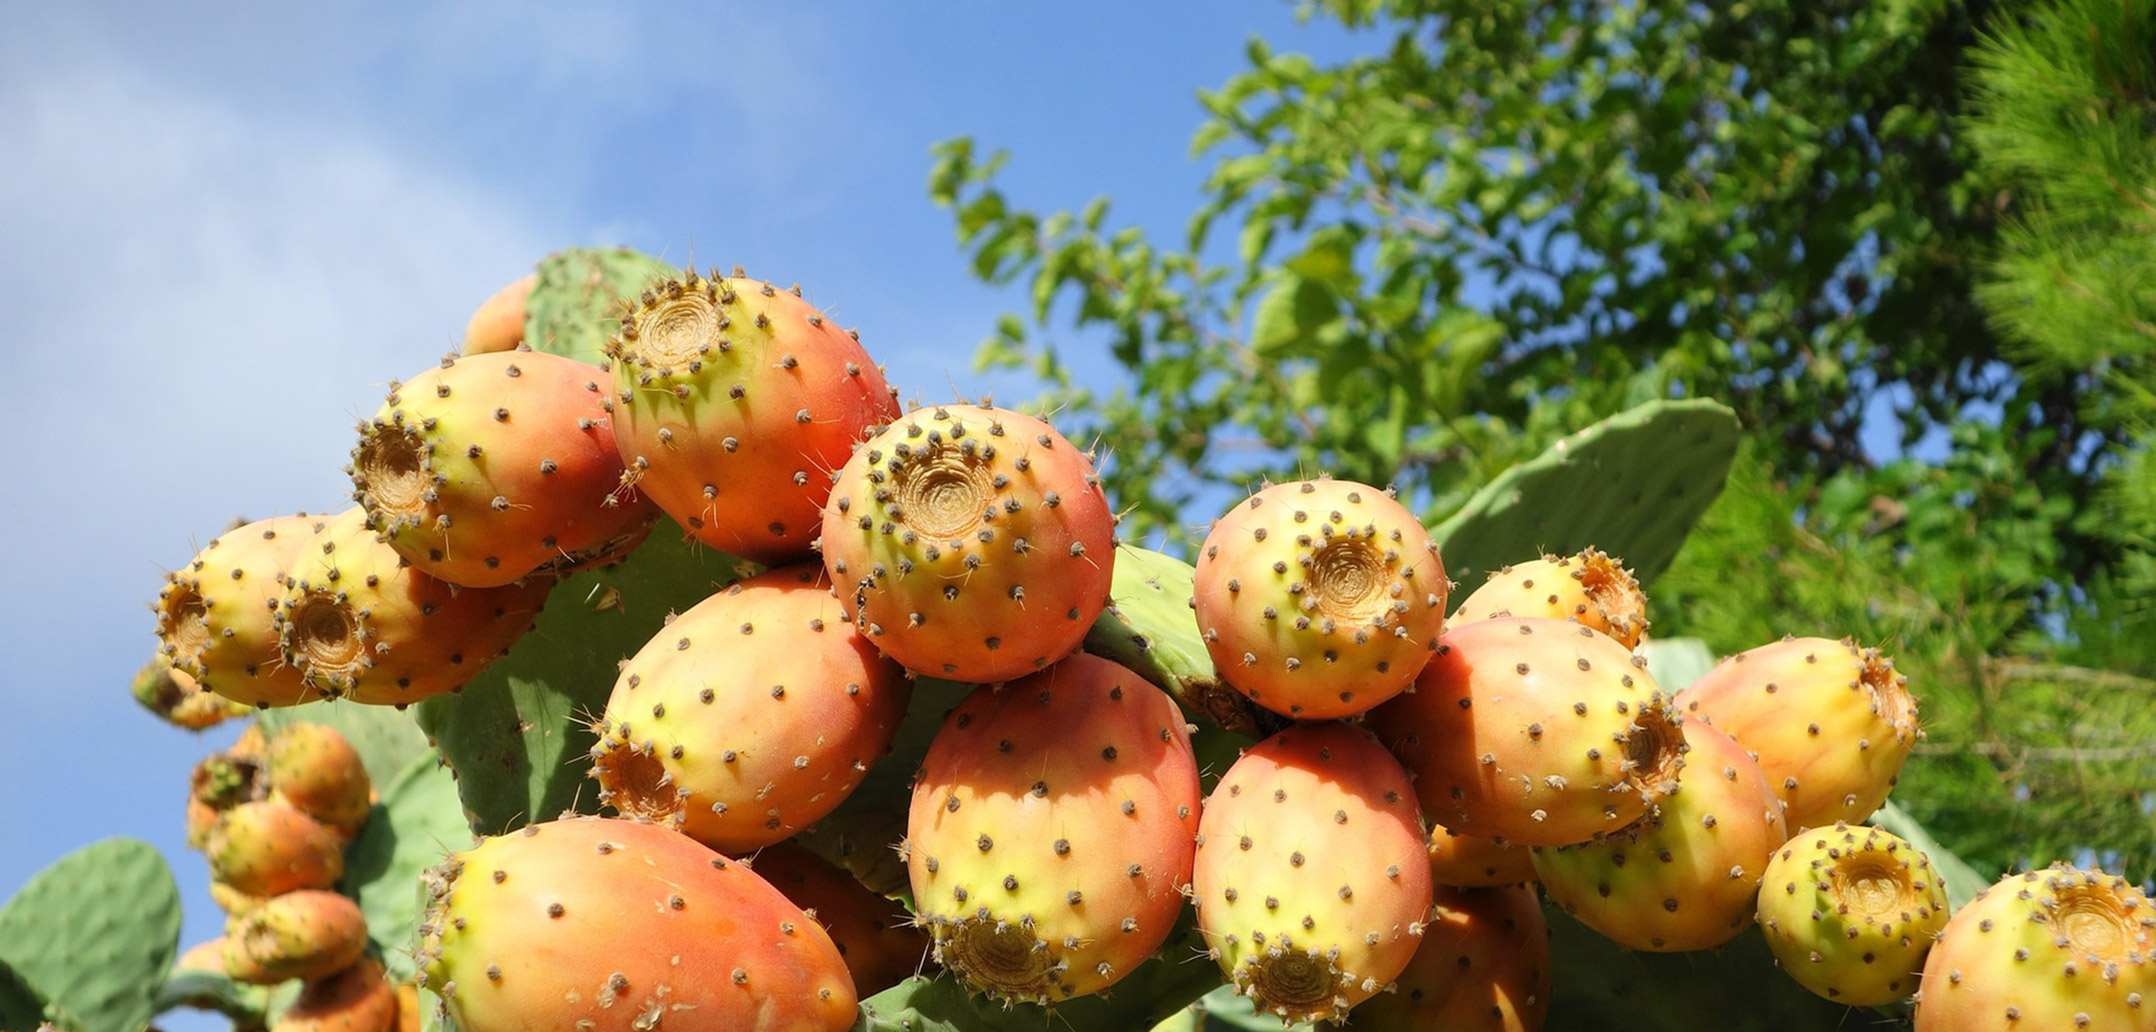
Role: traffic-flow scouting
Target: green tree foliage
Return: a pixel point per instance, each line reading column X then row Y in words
column 1421, row 265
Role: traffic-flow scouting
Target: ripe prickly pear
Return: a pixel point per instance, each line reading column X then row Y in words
column 1483, row 966
column 734, row 400
column 1591, row 588
column 1830, row 723
column 359, row 998
column 1537, row 731
column 267, row 848
column 1320, row 598
column 1851, row 911
column 498, row 323
column 2061, row 948
column 970, row 543
column 1050, row 836
column 611, row 925
column 490, row 468
column 359, row 623
column 875, row 934
column 1312, row 879
column 308, row 934
column 314, row 769
column 1686, row 875
column 750, row 716
column 1472, row 861
column 217, row 618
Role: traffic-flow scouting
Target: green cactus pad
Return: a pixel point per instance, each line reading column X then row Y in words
column 517, row 736
column 386, row 739
column 571, row 310
column 1632, row 485
column 418, row 822
column 96, row 932
column 21, row 1005
column 249, row 1006
column 1148, row 627
column 1603, row 987
column 1677, row 662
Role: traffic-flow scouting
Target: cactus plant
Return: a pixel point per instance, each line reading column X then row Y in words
column 93, row 935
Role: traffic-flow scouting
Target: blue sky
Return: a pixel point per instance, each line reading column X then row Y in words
column 224, row 228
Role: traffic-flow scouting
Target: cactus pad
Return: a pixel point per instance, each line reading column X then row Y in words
column 95, row 932
column 417, row 821
column 1148, row 628
column 572, row 308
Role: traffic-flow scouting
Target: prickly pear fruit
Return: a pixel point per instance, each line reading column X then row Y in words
column 178, row 699
column 314, row 769
column 490, row 468
column 875, row 934
column 1050, row 836
column 1591, row 588
column 1830, row 723
column 2061, row 948
column 219, row 783
column 498, row 323
column 268, row 848
column 307, row 934
column 1472, row 861
column 208, row 955
column 612, row 925
column 1483, row 966
column 1686, row 875
column 970, row 543
column 750, row 716
column 1319, row 598
column 359, row 623
column 1313, row 879
column 217, row 618
column 1541, row 732
column 233, row 902
column 734, row 400
column 359, row 998
column 1851, row 911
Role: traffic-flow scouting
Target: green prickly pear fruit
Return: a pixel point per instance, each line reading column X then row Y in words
column 970, row 543
column 2061, row 948
column 875, row 934
column 613, row 925
column 498, row 323
column 178, row 699
column 359, row 623
column 307, row 934
column 1851, row 911
column 1591, row 588
column 1540, row 732
column 359, row 998
column 734, row 400
column 217, row 618
column 1483, row 966
column 267, row 848
column 491, row 468
column 1313, row 879
column 314, row 769
column 749, row 717
column 1051, row 830
column 1472, row 861
column 1319, row 598
column 1686, row 875
column 1830, row 723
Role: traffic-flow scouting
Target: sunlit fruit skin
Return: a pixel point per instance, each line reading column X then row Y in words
column 314, row 769
column 1851, row 911
column 1588, row 587
column 360, row 998
column 1319, row 598
column 733, row 402
column 614, row 925
column 1483, row 966
column 1051, row 830
column 491, row 468
column 750, row 716
column 875, row 934
column 267, row 848
column 310, row 934
column 1312, row 880
column 1685, row 876
column 217, row 617
column 1830, row 723
column 359, row 623
column 2060, row 948
column 1535, row 731
column 1472, row 861
column 970, row 543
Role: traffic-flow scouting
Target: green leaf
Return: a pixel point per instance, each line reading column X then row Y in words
column 1290, row 315
column 95, row 932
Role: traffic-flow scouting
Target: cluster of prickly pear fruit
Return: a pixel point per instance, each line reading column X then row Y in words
column 952, row 662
